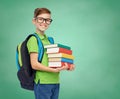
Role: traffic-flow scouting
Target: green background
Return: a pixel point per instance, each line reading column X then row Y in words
column 90, row 27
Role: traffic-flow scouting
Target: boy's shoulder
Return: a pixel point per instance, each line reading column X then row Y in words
column 32, row 40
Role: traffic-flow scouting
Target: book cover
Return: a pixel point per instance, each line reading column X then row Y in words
column 57, row 64
column 61, row 55
column 57, row 45
column 58, row 50
column 59, row 59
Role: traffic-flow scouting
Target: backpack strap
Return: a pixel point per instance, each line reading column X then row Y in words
column 40, row 46
column 17, row 59
column 51, row 40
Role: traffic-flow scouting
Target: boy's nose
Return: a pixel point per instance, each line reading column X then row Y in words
column 44, row 21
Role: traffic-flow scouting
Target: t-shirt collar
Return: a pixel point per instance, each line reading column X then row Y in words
column 41, row 36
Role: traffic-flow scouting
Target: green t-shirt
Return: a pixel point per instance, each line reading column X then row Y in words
column 42, row 76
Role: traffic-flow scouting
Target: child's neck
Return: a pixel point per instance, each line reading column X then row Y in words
column 39, row 32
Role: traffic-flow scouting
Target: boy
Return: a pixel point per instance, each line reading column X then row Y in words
column 46, row 79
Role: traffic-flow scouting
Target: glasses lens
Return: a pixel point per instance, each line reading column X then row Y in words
column 41, row 20
column 48, row 21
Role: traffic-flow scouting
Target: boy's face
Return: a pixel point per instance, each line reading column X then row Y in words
column 42, row 22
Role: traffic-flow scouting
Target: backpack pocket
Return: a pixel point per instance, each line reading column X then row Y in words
column 26, row 81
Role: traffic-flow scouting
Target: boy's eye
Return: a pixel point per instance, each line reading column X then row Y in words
column 47, row 20
column 40, row 19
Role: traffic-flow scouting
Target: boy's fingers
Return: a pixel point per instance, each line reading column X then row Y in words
column 72, row 66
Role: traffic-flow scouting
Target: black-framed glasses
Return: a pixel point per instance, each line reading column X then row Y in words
column 41, row 20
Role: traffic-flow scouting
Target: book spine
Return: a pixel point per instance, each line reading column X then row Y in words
column 63, row 50
column 52, row 64
column 57, row 45
column 61, row 55
column 67, row 60
column 52, row 59
column 55, row 64
column 60, row 60
column 58, row 50
column 64, row 46
column 67, row 56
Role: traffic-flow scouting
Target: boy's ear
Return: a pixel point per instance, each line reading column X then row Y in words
column 33, row 20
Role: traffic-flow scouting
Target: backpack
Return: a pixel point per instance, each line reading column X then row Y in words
column 25, row 72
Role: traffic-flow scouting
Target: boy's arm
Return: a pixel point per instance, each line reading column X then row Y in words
column 38, row 66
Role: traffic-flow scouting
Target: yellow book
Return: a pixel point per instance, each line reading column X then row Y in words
column 61, row 55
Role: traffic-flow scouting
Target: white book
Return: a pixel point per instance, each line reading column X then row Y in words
column 58, row 50
column 53, row 50
column 56, row 45
column 55, row 64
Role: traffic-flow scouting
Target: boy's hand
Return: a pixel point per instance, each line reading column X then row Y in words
column 65, row 67
column 69, row 67
column 72, row 67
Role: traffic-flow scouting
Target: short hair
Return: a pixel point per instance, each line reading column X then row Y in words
column 39, row 11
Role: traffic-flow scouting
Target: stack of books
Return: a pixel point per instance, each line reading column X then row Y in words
column 58, row 55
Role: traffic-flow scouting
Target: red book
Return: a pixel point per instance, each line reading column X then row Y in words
column 58, row 50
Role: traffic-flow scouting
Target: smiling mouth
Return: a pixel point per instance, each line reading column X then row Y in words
column 43, row 25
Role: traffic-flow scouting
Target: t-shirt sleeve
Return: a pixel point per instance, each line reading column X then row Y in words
column 32, row 45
